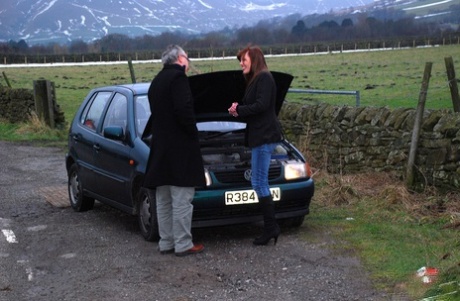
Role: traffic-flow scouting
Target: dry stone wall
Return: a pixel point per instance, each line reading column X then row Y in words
column 356, row 139
column 16, row 104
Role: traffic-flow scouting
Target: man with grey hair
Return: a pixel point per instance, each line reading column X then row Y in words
column 172, row 54
column 175, row 165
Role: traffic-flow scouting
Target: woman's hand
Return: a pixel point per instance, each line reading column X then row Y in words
column 232, row 110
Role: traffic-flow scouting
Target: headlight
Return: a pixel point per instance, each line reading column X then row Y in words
column 207, row 175
column 295, row 170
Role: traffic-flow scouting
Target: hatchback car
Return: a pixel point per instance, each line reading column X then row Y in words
column 108, row 148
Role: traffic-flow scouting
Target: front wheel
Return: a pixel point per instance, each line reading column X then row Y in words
column 147, row 215
column 78, row 200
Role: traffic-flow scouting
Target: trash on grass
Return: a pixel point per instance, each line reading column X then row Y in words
column 427, row 274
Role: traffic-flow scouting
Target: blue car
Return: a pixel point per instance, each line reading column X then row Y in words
column 108, row 148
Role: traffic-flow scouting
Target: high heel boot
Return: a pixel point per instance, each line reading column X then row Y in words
column 271, row 228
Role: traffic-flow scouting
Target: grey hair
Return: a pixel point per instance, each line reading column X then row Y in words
column 171, row 54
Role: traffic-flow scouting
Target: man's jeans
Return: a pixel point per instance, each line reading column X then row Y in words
column 261, row 156
column 174, row 212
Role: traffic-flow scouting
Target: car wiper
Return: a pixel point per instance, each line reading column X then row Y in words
column 219, row 134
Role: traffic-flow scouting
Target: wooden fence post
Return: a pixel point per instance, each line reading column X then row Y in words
column 417, row 125
column 131, row 71
column 6, row 79
column 44, row 97
column 452, row 83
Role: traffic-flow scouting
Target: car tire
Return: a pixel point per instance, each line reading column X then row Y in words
column 78, row 200
column 147, row 214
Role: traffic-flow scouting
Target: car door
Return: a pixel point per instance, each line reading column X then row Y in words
column 84, row 134
column 112, row 156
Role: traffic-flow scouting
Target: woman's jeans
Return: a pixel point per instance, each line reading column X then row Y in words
column 260, row 160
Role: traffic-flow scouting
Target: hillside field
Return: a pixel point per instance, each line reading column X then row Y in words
column 390, row 78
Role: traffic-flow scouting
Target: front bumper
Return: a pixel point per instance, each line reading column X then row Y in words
column 210, row 209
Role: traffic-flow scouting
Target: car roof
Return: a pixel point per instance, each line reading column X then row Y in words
column 137, row 88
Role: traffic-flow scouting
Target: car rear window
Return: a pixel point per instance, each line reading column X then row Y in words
column 93, row 111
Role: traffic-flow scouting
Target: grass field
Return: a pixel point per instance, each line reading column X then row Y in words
column 390, row 78
column 394, row 231
column 390, row 228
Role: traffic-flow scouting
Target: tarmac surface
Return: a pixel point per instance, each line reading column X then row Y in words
column 49, row 252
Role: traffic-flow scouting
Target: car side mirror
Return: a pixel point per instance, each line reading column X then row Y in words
column 114, row 133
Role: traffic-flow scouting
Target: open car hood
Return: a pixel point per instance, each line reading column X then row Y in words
column 214, row 92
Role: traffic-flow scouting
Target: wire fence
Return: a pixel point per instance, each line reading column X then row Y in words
column 306, row 48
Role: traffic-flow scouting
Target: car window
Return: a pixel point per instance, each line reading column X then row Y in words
column 117, row 114
column 142, row 113
column 92, row 113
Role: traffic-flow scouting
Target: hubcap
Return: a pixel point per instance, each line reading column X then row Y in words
column 144, row 212
column 74, row 188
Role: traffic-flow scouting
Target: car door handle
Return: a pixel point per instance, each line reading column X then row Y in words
column 76, row 137
column 96, row 147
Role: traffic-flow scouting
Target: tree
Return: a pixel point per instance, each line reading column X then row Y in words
column 212, row 39
column 299, row 29
column 281, row 35
column 115, row 43
column 329, row 24
column 78, row 46
column 244, row 35
column 347, row 23
column 22, row 46
column 262, row 36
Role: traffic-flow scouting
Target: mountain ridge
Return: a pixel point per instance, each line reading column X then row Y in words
column 64, row 21
column 41, row 21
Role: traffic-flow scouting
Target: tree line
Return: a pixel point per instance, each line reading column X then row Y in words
column 358, row 28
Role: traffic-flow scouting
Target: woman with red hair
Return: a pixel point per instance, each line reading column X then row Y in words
column 263, row 131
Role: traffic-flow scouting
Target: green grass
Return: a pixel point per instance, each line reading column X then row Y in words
column 393, row 243
column 34, row 131
column 384, row 78
column 391, row 249
column 390, row 229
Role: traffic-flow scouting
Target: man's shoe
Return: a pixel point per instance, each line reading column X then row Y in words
column 198, row 248
column 164, row 252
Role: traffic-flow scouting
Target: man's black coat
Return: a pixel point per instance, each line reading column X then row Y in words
column 175, row 157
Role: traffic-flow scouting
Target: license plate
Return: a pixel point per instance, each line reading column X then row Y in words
column 241, row 197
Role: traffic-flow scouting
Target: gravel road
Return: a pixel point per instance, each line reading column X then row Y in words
column 59, row 254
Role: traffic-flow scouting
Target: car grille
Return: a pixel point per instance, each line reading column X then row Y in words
column 237, row 176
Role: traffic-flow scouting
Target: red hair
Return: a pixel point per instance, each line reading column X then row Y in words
column 258, row 63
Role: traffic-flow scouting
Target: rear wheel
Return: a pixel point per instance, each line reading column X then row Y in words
column 78, row 200
column 147, row 215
